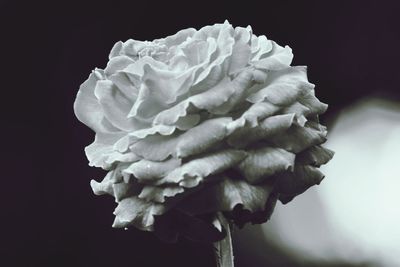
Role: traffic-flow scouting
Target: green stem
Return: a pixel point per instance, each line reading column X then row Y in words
column 223, row 249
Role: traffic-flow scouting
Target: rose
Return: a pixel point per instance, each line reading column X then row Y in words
column 201, row 122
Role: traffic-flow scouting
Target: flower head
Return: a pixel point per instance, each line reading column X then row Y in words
column 200, row 122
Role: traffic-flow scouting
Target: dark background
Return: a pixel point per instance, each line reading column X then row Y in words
column 49, row 215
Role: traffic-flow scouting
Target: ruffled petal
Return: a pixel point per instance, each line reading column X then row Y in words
column 147, row 171
column 252, row 115
column 238, row 87
column 159, row 194
column 156, row 129
column 128, row 87
column 175, row 222
column 243, row 35
column 265, row 162
column 195, row 171
column 193, row 141
column 315, row 156
column 105, row 186
column 291, row 184
column 117, row 63
column 115, row 105
column 218, row 100
column 225, row 196
column 312, row 103
column 201, row 137
column 165, row 85
column 179, row 37
column 260, row 47
column 241, row 53
column 298, row 138
column 98, row 152
column 137, row 212
column 155, row 147
column 87, row 108
column 284, row 87
column 123, row 190
column 278, row 58
column 116, row 157
column 115, row 50
column 269, row 127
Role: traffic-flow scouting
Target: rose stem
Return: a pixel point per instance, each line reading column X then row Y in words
column 223, row 248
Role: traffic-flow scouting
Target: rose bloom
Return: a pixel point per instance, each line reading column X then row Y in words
column 200, row 122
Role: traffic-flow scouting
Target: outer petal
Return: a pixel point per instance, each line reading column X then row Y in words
column 278, row 58
column 260, row 47
column 87, row 108
column 298, row 138
column 290, row 184
column 137, row 212
column 253, row 115
column 193, row 172
column 99, row 151
column 159, row 194
column 148, row 171
column 115, row 105
column 315, row 156
column 193, row 141
column 175, row 222
column 284, row 87
column 226, row 195
column 269, row 127
column 179, row 37
column 265, row 162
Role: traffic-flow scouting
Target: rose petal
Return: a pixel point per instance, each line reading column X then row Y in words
column 292, row 184
column 123, row 190
column 201, row 137
column 284, row 86
column 225, row 196
column 298, row 138
column 261, row 46
column 115, row 157
column 115, row 105
column 125, row 85
column 276, row 59
column 175, row 222
column 179, row 37
column 166, row 86
column 315, row 156
column 198, row 169
column 117, row 63
column 99, row 151
column 238, row 87
column 116, row 50
column 298, row 109
column 137, row 212
column 193, row 141
column 241, row 53
column 148, row 171
column 269, row 127
column 196, row 52
column 156, row 129
column 105, row 186
column 159, row 194
column 312, row 103
column 264, row 162
column 252, row 115
column 88, row 110
column 155, row 147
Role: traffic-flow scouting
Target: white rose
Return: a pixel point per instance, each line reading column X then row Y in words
column 201, row 122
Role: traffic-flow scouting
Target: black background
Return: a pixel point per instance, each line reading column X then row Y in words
column 49, row 215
